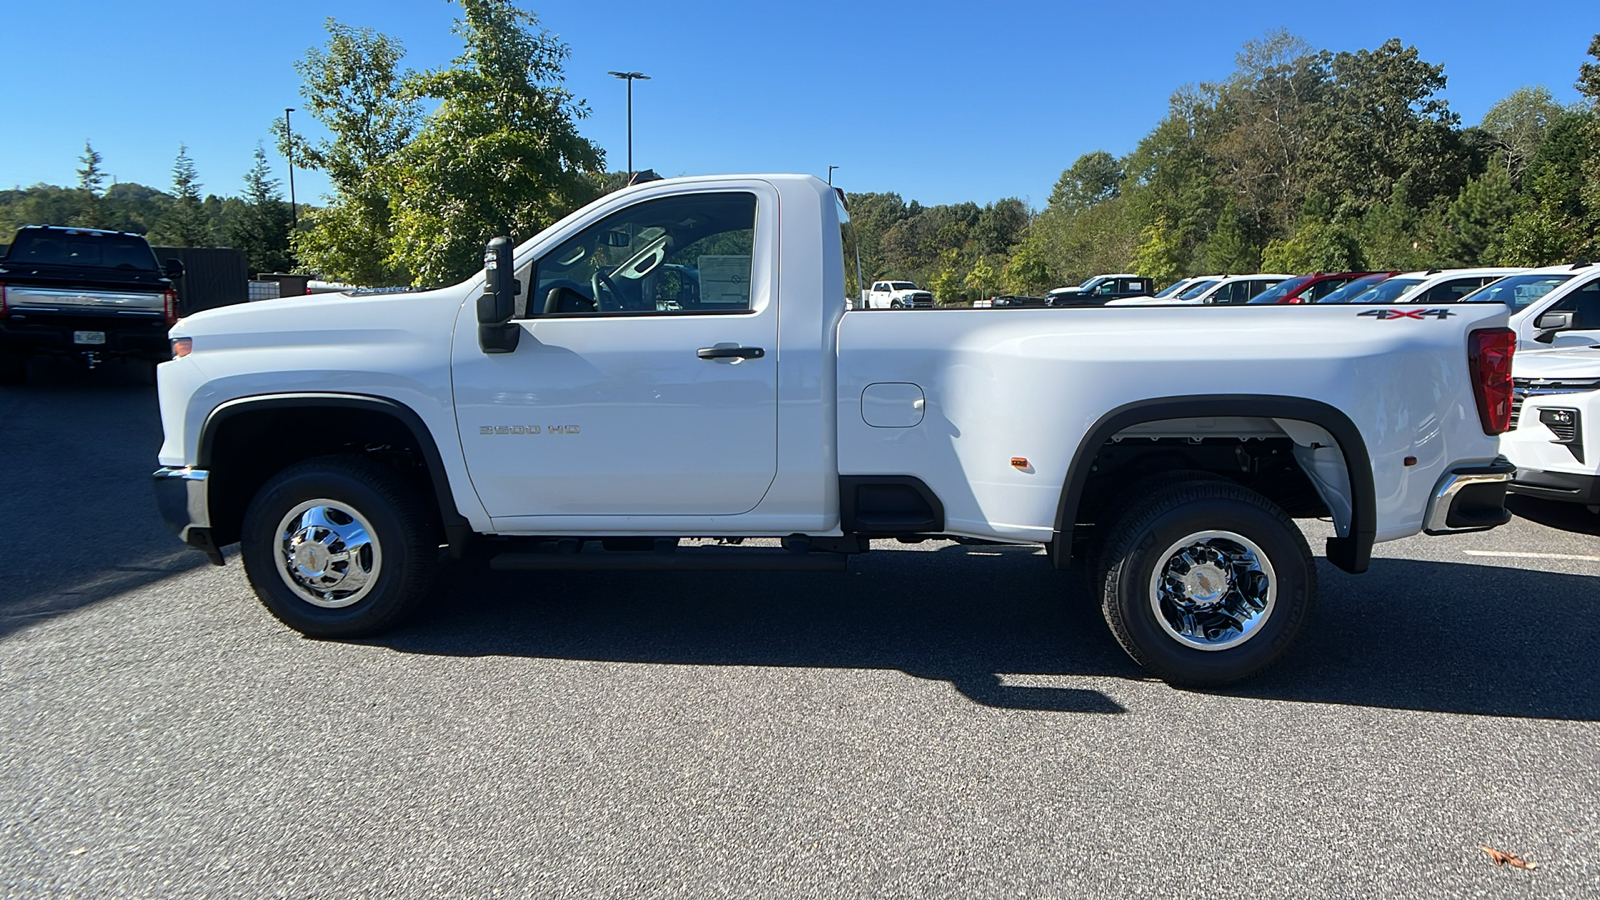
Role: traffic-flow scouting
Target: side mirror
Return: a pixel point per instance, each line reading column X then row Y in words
column 1550, row 323
column 496, row 332
column 173, row 269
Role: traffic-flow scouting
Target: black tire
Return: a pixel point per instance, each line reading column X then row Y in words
column 1179, row 516
column 394, row 571
column 1129, row 500
column 13, row 368
column 896, row 304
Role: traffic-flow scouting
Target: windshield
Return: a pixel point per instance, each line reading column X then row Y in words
column 1197, row 288
column 1090, row 281
column 1286, row 289
column 1353, row 289
column 1174, row 288
column 1517, row 291
column 69, row 247
column 1386, row 291
column 901, row 286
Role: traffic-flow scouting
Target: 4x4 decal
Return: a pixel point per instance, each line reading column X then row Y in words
column 1408, row 313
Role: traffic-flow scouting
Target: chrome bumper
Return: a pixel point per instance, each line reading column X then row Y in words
column 183, row 498
column 1471, row 498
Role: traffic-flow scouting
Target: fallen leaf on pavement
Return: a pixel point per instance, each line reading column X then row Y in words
column 1502, row 858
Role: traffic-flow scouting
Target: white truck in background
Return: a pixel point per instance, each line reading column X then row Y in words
column 569, row 411
column 897, row 295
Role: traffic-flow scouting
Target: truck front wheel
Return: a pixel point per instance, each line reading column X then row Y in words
column 1206, row 583
column 338, row 547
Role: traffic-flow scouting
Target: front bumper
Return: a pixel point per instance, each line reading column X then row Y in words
column 182, row 495
column 1470, row 498
column 1564, row 486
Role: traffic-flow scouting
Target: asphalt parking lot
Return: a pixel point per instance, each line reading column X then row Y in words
column 943, row 721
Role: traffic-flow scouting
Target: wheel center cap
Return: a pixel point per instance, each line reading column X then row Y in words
column 311, row 558
column 1205, row 583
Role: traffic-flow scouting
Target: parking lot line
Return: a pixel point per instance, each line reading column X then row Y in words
column 1532, row 555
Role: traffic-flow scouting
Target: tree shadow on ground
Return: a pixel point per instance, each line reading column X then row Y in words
column 1441, row 637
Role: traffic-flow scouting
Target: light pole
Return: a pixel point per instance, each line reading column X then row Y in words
column 830, row 175
column 288, row 133
column 629, row 77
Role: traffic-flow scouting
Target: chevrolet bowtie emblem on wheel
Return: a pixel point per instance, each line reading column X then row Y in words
column 1408, row 313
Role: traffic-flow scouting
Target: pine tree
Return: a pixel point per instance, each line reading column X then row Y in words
column 90, row 181
column 262, row 229
column 186, row 223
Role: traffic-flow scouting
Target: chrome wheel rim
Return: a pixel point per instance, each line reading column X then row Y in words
column 328, row 553
column 1213, row 590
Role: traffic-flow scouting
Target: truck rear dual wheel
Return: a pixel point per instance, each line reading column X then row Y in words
column 338, row 547
column 1206, row 583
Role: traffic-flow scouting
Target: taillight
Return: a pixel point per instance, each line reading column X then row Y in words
column 2, row 299
column 1489, row 353
column 1294, row 299
column 169, row 305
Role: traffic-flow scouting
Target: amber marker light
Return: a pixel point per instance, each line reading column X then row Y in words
column 182, row 347
column 1019, row 462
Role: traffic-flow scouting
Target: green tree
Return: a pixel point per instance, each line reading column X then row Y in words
column 354, row 88
column 91, row 181
column 185, row 223
column 261, row 226
column 1158, row 256
column 947, row 280
column 500, row 155
column 1029, row 271
column 1476, row 221
column 983, row 280
column 1094, row 178
column 1383, row 119
column 1518, row 125
column 1229, row 251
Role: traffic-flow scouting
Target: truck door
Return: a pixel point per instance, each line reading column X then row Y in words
column 633, row 392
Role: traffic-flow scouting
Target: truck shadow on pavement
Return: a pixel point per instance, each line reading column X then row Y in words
column 1427, row 636
column 82, row 525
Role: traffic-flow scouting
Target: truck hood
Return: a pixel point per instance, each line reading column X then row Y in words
column 327, row 318
column 1557, row 363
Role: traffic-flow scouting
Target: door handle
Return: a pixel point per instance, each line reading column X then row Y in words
column 730, row 353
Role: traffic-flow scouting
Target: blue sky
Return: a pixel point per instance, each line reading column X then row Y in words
column 939, row 101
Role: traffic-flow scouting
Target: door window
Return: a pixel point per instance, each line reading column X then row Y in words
column 1584, row 304
column 680, row 255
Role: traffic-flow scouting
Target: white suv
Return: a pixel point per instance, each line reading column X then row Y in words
column 1553, row 306
column 1554, row 439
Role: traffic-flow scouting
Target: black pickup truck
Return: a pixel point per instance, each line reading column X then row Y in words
column 83, row 292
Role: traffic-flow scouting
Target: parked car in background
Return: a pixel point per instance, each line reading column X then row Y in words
column 1308, row 288
column 1012, row 301
column 1350, row 289
column 1388, row 290
column 83, row 292
column 1215, row 290
column 1452, row 285
column 1554, row 439
column 1176, row 288
column 1100, row 289
column 1552, row 306
column 898, row 295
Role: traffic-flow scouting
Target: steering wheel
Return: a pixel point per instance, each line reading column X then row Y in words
column 604, row 287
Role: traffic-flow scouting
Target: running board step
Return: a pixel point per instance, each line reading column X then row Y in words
column 683, row 560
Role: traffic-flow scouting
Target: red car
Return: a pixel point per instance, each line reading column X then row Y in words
column 1308, row 288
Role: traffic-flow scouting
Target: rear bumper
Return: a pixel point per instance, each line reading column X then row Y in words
column 1470, row 498
column 35, row 333
column 182, row 496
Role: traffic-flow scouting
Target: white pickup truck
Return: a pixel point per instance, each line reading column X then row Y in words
column 573, row 407
column 897, row 295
